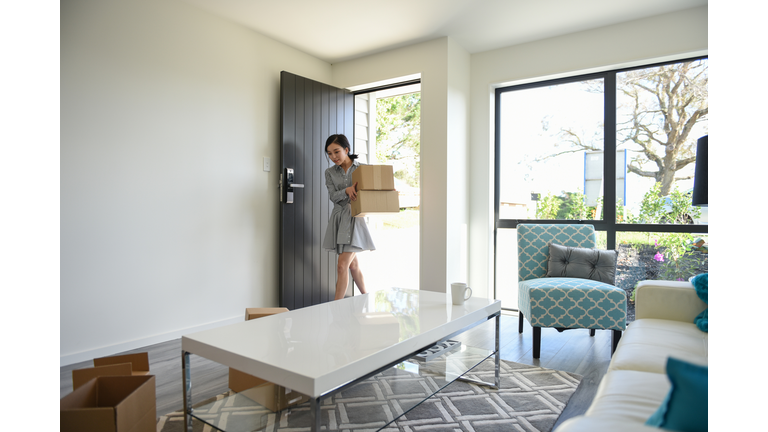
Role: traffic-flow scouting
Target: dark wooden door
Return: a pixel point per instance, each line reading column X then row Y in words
column 310, row 112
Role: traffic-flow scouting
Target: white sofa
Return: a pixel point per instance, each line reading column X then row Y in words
column 636, row 382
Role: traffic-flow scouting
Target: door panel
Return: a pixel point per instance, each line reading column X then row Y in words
column 310, row 112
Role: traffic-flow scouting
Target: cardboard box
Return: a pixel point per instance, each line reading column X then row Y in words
column 139, row 362
column 371, row 202
column 274, row 397
column 111, row 404
column 374, row 177
column 120, row 365
column 241, row 381
column 82, row 376
column 253, row 313
column 271, row 396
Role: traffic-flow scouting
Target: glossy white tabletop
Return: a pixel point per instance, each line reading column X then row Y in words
column 318, row 348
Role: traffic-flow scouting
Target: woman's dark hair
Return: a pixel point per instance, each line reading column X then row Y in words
column 341, row 140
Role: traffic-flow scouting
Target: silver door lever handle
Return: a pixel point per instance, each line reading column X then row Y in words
column 294, row 185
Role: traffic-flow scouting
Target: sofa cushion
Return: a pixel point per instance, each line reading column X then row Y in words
column 595, row 424
column 585, row 263
column 684, row 408
column 630, row 396
column 647, row 344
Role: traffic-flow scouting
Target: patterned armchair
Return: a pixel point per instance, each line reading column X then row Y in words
column 564, row 302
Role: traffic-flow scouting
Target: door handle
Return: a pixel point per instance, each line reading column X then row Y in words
column 287, row 185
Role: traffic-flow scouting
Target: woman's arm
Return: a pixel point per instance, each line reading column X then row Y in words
column 336, row 196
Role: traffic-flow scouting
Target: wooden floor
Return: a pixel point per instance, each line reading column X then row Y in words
column 572, row 351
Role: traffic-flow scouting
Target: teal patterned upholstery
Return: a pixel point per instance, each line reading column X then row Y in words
column 564, row 303
column 573, row 303
column 533, row 245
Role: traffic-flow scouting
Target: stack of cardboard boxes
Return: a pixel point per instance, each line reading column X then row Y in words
column 117, row 394
column 375, row 191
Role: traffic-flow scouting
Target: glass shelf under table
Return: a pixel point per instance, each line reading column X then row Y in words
column 372, row 403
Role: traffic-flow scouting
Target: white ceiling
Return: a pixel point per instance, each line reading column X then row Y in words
column 338, row 30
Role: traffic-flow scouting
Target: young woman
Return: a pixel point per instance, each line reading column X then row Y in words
column 346, row 235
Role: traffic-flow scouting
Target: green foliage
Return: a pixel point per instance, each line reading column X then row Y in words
column 682, row 268
column 398, row 134
column 576, row 206
column 675, row 209
column 651, row 207
column 682, row 211
column 634, row 290
column 620, row 216
column 675, row 244
column 548, row 207
column 569, row 206
column 680, row 261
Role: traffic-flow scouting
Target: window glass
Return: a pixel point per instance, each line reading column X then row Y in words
column 506, row 268
column 658, row 256
column 661, row 113
column 551, row 145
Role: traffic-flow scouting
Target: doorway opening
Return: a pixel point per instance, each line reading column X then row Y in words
column 387, row 132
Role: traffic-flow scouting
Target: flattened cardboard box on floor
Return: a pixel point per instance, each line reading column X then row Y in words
column 263, row 392
column 374, row 177
column 372, row 202
column 111, row 404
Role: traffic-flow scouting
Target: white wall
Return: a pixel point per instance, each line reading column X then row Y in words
column 168, row 222
column 444, row 69
column 458, row 151
column 671, row 36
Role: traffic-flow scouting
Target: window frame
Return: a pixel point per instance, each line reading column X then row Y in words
column 608, row 224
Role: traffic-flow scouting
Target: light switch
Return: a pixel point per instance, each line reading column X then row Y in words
column 266, row 164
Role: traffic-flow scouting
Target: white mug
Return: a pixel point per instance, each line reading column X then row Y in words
column 459, row 293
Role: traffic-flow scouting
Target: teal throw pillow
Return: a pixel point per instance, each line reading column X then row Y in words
column 685, row 407
column 700, row 283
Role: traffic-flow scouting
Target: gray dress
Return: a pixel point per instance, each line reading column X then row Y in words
column 345, row 233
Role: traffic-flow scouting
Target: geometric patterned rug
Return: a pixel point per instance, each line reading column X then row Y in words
column 531, row 399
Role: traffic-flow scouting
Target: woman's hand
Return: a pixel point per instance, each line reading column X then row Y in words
column 352, row 192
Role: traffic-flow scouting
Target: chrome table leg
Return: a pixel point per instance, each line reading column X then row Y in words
column 314, row 409
column 497, row 359
column 187, row 390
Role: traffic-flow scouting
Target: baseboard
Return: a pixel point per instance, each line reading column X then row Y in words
column 66, row 360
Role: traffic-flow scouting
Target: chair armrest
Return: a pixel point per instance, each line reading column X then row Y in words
column 668, row 300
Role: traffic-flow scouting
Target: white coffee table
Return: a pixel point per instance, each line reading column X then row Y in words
column 320, row 349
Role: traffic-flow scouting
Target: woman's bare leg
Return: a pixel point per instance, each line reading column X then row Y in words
column 357, row 275
column 342, row 273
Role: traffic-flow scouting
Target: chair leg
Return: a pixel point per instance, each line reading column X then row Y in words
column 592, row 332
column 615, row 337
column 520, row 323
column 536, row 342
